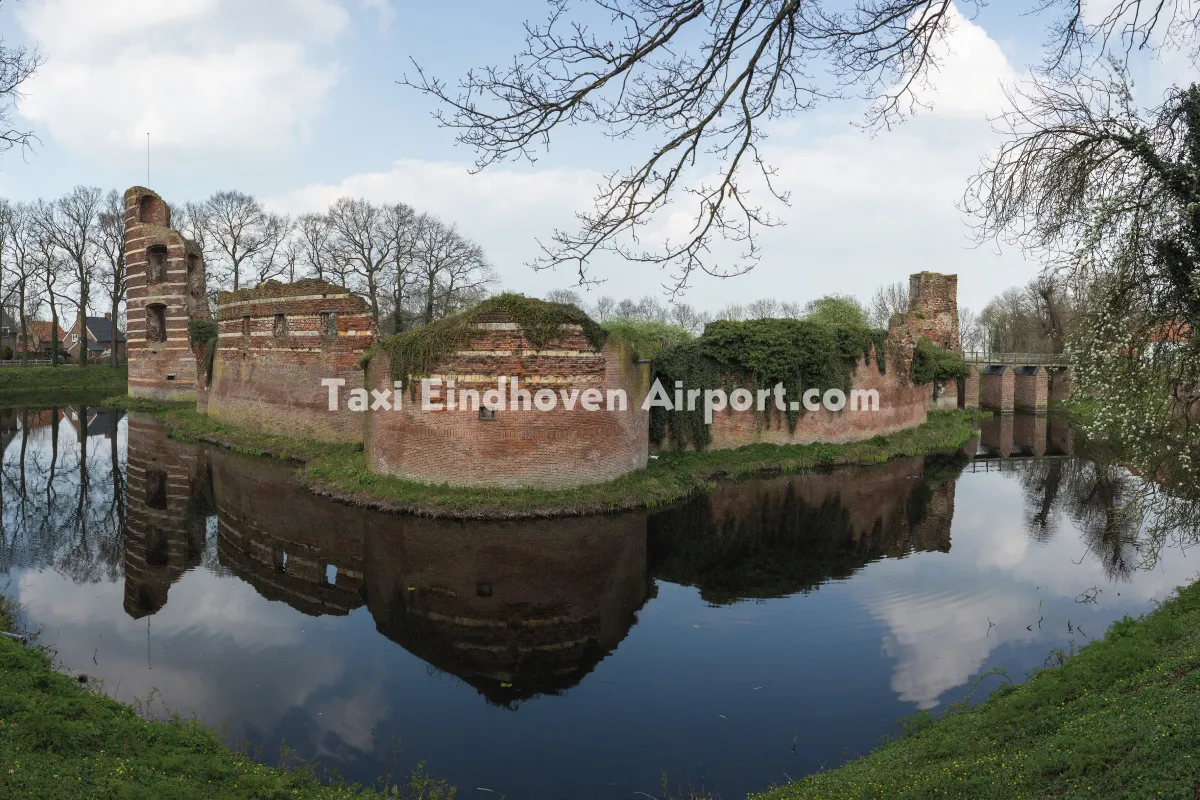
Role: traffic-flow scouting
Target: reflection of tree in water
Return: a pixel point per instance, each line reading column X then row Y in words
column 62, row 477
column 790, row 535
column 1125, row 520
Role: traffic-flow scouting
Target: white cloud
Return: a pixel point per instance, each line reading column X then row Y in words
column 865, row 211
column 199, row 75
column 383, row 8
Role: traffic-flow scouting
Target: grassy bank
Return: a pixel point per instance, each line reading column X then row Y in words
column 339, row 471
column 60, row 739
column 65, row 384
column 1121, row 719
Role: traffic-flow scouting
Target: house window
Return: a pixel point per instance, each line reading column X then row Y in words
column 486, row 414
column 156, row 323
column 156, row 271
column 281, row 326
column 329, row 324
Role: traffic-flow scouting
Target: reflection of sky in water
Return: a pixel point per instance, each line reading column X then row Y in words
column 738, row 696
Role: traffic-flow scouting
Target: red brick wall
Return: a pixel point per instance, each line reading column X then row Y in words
column 1030, row 392
column 181, row 293
column 933, row 307
column 549, row 449
column 273, row 384
column 998, row 390
column 902, row 404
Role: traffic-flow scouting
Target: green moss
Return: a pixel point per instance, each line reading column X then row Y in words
column 413, row 354
column 932, row 362
column 800, row 354
column 648, row 338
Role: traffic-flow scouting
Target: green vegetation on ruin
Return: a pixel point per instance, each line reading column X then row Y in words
column 61, row 739
column 799, row 353
column 648, row 337
column 206, row 331
column 414, row 353
column 274, row 288
column 1120, row 719
column 932, row 362
column 339, row 471
column 66, row 384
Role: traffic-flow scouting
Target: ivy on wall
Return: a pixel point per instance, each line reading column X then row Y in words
column 758, row 354
column 932, row 362
column 414, row 354
column 204, row 331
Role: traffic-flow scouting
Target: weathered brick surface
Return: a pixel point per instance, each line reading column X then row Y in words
column 998, row 387
column 550, row 449
column 267, row 373
column 996, row 435
column 902, row 404
column 969, row 395
column 166, row 500
column 1030, row 434
column 1031, row 389
column 165, row 293
column 933, row 307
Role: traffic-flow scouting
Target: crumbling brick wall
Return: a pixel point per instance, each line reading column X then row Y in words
column 902, row 404
column 549, row 449
column 276, row 343
column 165, row 285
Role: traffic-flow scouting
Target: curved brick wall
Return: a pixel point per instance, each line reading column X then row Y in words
column 271, row 382
column 902, row 404
column 160, row 369
column 548, row 449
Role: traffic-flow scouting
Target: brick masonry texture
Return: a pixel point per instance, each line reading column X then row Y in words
column 902, row 404
column 549, row 449
column 276, row 344
column 1031, row 391
column 969, row 394
column 998, row 389
column 164, row 289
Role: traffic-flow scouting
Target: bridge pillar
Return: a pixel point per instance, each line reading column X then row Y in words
column 1030, row 388
column 997, row 388
column 996, row 436
column 968, row 388
column 1030, row 434
column 1060, row 385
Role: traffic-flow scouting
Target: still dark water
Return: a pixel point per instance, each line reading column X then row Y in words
column 764, row 631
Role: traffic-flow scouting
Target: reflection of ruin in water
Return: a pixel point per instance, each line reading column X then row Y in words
column 515, row 609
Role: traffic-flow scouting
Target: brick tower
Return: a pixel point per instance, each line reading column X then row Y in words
column 165, row 286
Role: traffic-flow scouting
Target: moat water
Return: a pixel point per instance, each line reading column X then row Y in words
column 770, row 629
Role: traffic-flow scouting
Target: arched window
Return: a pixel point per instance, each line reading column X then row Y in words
column 153, row 211
column 156, row 322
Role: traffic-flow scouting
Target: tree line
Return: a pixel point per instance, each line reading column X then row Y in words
column 65, row 258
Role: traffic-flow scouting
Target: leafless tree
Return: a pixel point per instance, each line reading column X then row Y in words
column 706, row 79
column 887, row 301
column 50, row 268
column 110, row 241
column 763, row 308
column 71, row 223
column 971, row 335
column 17, row 65
column 564, row 296
column 18, row 239
column 448, row 267
column 233, row 228
column 402, row 224
column 361, row 245
column 688, row 318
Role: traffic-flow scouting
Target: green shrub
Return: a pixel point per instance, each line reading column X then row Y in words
column 932, row 362
column 6, row 353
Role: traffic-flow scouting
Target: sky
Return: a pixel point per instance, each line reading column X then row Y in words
column 297, row 102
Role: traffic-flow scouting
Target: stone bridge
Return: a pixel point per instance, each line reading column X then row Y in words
column 1015, row 381
column 1022, row 435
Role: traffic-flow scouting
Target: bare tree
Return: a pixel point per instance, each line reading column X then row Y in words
column 449, row 267
column 402, row 223
column 564, row 296
column 707, row 78
column 17, row 65
column 763, row 308
column 361, row 245
column 313, row 232
column 18, row 238
column 50, row 268
column 688, row 318
column 887, row 301
column 110, row 240
column 71, row 224
column 232, row 228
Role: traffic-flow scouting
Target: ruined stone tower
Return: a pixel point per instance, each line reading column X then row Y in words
column 933, row 308
column 165, row 284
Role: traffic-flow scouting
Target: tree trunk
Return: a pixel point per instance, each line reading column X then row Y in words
column 112, row 330
column 429, row 301
column 83, row 342
column 53, row 333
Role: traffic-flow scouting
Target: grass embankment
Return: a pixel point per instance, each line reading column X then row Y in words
column 1121, row 719
column 61, row 385
column 340, row 472
column 60, row 739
